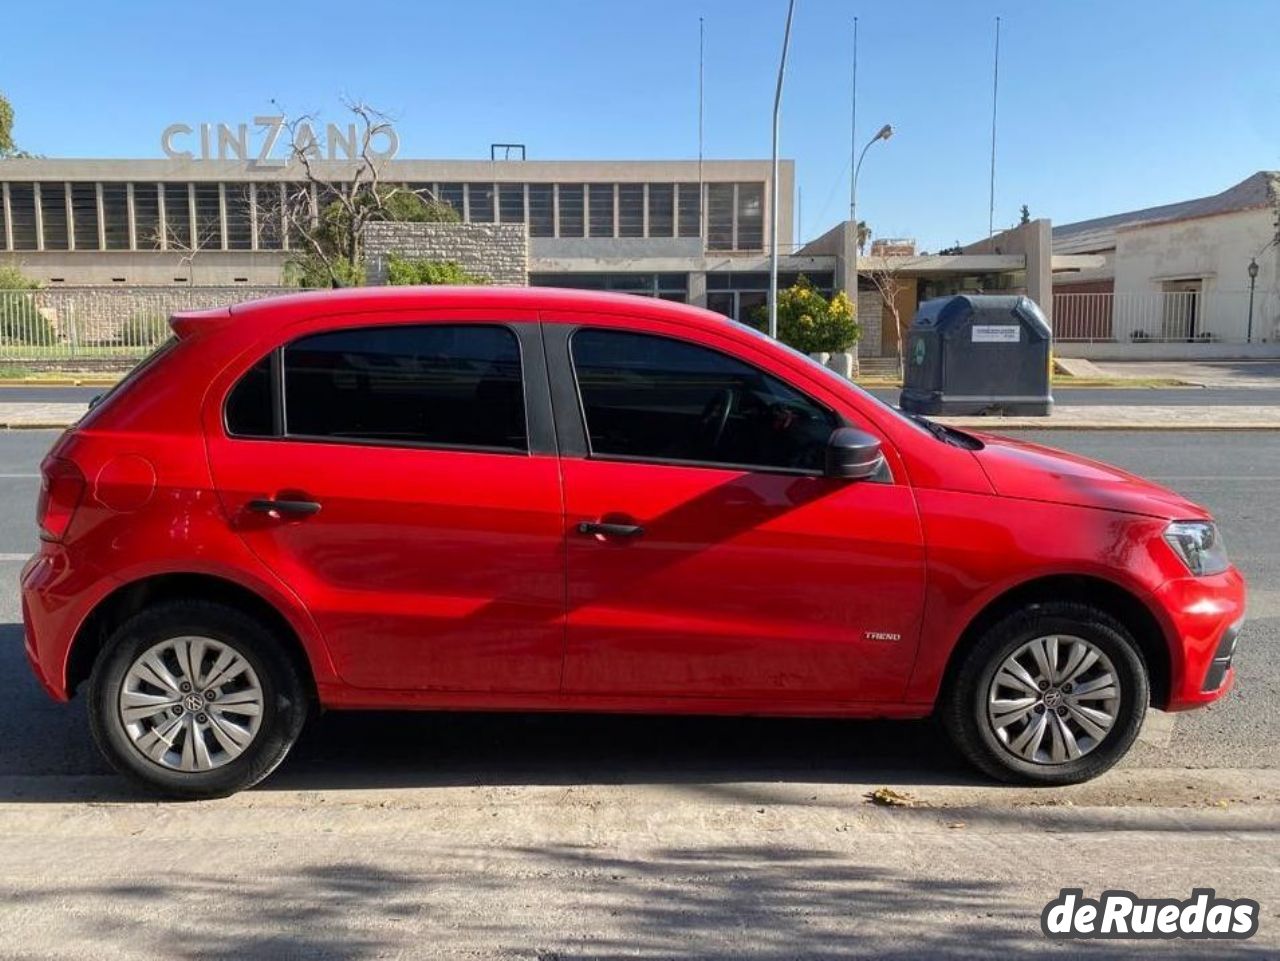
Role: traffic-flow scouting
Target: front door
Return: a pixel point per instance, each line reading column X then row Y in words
column 708, row 556
column 399, row 493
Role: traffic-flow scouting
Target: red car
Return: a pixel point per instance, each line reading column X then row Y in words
column 553, row 500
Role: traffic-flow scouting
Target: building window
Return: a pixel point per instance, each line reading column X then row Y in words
column 440, row 385
column 630, row 210
column 511, row 203
column 672, row 286
column 750, row 217
column 84, row 215
column 53, row 215
column 690, row 206
column 146, row 216
column 115, row 216
column 239, row 224
column 177, row 216
column 541, row 211
column 269, row 209
column 571, row 210
column 208, row 217
column 451, row 194
column 720, row 216
column 600, row 208
column 662, row 211
column 480, row 203
column 22, row 210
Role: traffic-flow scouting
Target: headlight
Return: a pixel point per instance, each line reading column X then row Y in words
column 1199, row 545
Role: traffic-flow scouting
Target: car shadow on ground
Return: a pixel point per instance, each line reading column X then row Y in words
column 46, row 752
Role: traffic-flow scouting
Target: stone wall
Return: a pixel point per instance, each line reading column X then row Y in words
column 870, row 308
column 497, row 252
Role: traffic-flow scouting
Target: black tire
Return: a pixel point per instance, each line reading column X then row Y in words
column 963, row 705
column 284, row 708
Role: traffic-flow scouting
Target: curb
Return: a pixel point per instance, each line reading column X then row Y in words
column 990, row 424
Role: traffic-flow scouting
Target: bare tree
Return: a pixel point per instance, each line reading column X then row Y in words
column 887, row 275
column 188, row 243
column 326, row 215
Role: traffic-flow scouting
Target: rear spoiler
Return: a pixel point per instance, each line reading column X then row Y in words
column 187, row 322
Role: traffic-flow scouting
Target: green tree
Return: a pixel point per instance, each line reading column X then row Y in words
column 7, row 146
column 401, row 271
column 812, row 324
column 864, row 236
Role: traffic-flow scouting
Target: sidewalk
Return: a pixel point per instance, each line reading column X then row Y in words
column 1127, row 417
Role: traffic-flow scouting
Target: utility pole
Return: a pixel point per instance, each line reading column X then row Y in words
column 995, row 92
column 773, row 196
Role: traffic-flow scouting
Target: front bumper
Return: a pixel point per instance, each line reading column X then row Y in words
column 1204, row 616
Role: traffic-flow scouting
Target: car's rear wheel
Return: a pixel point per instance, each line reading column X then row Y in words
column 1052, row 694
column 195, row 700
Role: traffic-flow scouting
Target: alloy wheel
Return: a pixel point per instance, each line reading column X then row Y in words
column 191, row 704
column 1054, row 699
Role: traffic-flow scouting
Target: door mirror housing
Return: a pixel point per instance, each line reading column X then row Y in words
column 853, row 454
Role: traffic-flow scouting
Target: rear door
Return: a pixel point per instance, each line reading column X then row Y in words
column 708, row 556
column 401, row 478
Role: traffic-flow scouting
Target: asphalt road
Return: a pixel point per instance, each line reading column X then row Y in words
column 1236, row 475
column 1063, row 396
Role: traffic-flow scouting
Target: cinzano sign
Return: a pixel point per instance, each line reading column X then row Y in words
column 269, row 145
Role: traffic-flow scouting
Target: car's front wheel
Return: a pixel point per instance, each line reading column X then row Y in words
column 1053, row 694
column 195, row 700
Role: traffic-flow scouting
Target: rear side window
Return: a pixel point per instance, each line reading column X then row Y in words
column 646, row 397
column 434, row 384
column 251, row 403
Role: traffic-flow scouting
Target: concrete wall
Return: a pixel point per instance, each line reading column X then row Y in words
column 497, row 252
column 1217, row 250
column 214, row 268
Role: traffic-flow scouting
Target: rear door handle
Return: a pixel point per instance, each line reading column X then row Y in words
column 610, row 530
column 279, row 508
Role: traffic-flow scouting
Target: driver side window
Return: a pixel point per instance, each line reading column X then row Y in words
column 647, row 397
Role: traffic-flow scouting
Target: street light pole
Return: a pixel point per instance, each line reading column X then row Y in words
column 773, row 197
column 1253, row 280
column 884, row 133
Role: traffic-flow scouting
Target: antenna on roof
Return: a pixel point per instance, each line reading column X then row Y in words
column 995, row 91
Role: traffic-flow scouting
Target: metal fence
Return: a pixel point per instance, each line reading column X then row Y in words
column 97, row 323
column 1218, row 316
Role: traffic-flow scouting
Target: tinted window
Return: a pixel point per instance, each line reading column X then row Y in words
column 434, row 384
column 661, row 399
column 250, row 403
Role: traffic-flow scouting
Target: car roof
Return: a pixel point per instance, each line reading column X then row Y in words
column 528, row 298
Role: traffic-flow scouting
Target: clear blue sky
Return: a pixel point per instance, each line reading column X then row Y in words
column 1104, row 106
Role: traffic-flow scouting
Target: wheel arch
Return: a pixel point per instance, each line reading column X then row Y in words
column 132, row 597
column 1111, row 598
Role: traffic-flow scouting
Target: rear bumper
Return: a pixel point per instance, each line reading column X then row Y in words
column 56, row 598
column 1205, row 615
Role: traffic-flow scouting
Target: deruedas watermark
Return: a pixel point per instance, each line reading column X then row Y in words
column 1122, row 914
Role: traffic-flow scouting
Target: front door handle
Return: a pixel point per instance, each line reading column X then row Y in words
column 610, row 530
column 279, row 508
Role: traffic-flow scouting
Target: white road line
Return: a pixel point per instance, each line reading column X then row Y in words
column 13, row 557
column 15, row 476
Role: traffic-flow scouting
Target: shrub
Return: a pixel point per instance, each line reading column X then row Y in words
column 401, row 271
column 810, row 323
column 309, row 271
column 21, row 321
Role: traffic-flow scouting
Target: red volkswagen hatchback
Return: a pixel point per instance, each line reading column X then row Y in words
column 548, row 500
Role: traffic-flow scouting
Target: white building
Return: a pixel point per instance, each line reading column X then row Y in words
column 1174, row 276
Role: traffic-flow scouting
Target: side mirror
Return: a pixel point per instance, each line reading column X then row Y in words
column 853, row 454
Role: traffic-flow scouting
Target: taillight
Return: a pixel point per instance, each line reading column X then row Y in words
column 60, row 494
